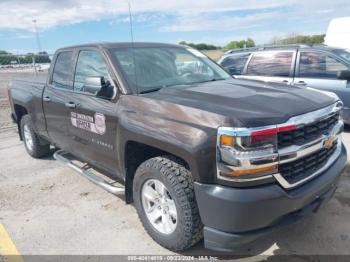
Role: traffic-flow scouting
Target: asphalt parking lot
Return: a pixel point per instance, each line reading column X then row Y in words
column 48, row 209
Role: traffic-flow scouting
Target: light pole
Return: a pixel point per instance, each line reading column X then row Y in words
column 37, row 35
column 38, row 42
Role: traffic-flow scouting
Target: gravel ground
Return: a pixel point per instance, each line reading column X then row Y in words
column 49, row 209
column 5, row 121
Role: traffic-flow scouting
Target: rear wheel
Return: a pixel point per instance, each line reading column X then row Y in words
column 35, row 146
column 165, row 202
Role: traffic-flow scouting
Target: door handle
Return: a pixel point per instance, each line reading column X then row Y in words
column 285, row 81
column 70, row 105
column 47, row 99
column 301, row 83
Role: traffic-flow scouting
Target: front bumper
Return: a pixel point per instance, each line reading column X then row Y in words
column 236, row 216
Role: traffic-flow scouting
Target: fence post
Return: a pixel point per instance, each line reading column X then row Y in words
column 18, row 61
column 33, row 59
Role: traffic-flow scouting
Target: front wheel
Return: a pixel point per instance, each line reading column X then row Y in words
column 165, row 201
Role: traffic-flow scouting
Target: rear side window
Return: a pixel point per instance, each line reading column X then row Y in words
column 62, row 71
column 319, row 65
column 235, row 64
column 271, row 64
column 90, row 64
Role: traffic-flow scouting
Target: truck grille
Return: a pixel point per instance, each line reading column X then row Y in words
column 306, row 166
column 307, row 133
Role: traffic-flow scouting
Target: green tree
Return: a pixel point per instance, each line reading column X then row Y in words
column 42, row 57
column 299, row 39
column 201, row 46
column 240, row 44
column 8, row 58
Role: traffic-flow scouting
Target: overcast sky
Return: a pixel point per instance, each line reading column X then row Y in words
column 67, row 22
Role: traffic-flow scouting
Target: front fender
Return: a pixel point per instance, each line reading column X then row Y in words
column 172, row 128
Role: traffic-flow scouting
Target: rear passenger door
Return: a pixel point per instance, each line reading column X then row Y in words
column 56, row 95
column 93, row 121
column 271, row 66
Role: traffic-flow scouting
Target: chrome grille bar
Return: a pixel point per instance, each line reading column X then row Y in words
column 282, row 155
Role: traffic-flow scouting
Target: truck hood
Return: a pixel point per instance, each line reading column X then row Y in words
column 247, row 103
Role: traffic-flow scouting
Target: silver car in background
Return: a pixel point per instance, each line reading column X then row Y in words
column 319, row 66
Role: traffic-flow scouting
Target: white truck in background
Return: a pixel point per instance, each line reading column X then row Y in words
column 338, row 33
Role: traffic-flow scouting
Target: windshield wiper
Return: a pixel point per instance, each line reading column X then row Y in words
column 150, row 90
column 212, row 80
column 158, row 88
column 182, row 84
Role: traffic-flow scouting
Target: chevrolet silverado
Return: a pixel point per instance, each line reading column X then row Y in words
column 199, row 153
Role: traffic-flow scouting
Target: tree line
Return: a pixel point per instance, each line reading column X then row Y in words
column 299, row 39
column 249, row 42
column 200, row 46
column 9, row 58
column 43, row 57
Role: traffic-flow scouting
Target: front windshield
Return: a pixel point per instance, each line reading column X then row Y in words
column 158, row 67
column 344, row 54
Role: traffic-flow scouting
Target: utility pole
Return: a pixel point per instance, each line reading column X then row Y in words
column 37, row 35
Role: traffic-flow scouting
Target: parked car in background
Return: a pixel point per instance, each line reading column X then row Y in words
column 338, row 33
column 321, row 67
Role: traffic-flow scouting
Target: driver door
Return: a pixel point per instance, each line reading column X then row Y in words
column 93, row 120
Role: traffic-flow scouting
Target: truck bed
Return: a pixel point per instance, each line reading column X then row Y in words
column 35, row 79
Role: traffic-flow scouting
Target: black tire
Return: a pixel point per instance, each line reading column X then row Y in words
column 40, row 147
column 179, row 183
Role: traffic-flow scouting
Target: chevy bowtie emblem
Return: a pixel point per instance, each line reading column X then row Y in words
column 329, row 141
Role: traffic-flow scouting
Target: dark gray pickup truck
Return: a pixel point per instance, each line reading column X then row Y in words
column 199, row 153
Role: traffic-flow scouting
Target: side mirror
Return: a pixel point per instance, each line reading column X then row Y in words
column 93, row 85
column 344, row 75
column 98, row 86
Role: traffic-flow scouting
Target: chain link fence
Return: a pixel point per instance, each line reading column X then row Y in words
column 28, row 62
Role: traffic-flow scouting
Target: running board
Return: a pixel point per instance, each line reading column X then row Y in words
column 84, row 170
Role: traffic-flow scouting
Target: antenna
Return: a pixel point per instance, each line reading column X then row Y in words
column 133, row 46
column 131, row 29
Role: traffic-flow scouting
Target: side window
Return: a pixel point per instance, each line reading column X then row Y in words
column 235, row 64
column 319, row 65
column 90, row 64
column 271, row 64
column 62, row 71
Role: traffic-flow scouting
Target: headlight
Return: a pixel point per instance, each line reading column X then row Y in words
column 245, row 154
